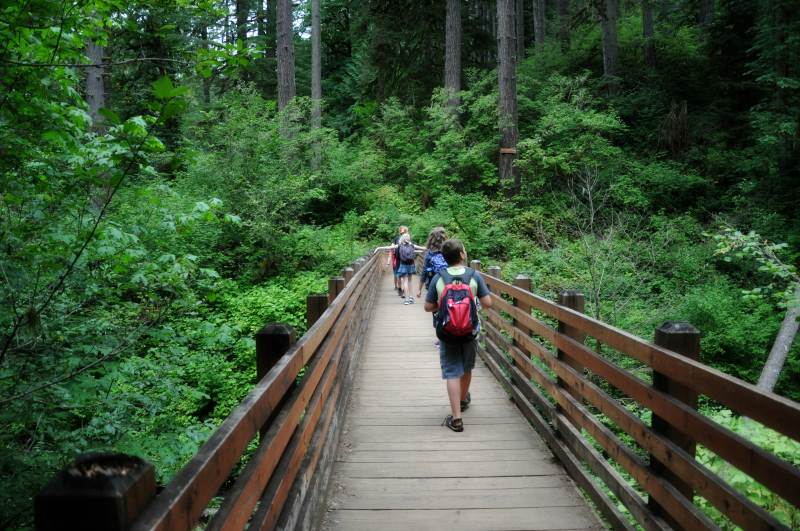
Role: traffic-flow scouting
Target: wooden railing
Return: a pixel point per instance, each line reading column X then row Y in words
column 297, row 425
column 514, row 338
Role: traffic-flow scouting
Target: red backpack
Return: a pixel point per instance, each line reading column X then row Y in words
column 457, row 317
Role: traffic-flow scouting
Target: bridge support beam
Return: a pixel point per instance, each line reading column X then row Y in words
column 96, row 492
column 574, row 300
column 335, row 287
column 316, row 304
column 347, row 273
column 522, row 282
column 272, row 342
column 684, row 339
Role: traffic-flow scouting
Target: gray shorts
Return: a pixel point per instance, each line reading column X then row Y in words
column 457, row 359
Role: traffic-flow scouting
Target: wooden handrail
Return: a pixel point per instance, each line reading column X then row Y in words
column 772, row 410
column 278, row 457
column 781, row 477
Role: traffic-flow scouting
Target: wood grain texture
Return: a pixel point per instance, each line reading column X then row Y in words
column 399, row 468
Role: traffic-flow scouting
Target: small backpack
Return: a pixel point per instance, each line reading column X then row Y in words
column 406, row 253
column 437, row 263
column 457, row 317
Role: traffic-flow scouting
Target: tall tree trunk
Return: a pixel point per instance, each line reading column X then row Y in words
column 452, row 62
column 539, row 24
column 316, row 63
column 520, row 30
column 242, row 15
column 286, row 82
column 272, row 29
column 648, row 32
column 708, row 10
column 95, row 89
column 97, row 96
column 507, row 81
column 780, row 350
column 562, row 10
column 206, row 80
column 610, row 47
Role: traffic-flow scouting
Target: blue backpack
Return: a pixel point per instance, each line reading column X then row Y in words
column 437, row 263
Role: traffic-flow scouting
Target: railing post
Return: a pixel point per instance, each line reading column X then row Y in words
column 347, row 273
column 361, row 262
column 355, row 266
column 316, row 304
column 522, row 282
column 476, row 265
column 574, row 300
column 494, row 272
column 272, row 342
column 335, row 286
column 96, row 492
column 683, row 339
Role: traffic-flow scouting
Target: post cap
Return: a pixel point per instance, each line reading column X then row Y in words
column 677, row 327
column 522, row 277
column 102, row 491
column 276, row 329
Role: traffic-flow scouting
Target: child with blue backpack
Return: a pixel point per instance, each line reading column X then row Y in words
column 454, row 298
column 433, row 261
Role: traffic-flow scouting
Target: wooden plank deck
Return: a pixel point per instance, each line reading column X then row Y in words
column 398, row 469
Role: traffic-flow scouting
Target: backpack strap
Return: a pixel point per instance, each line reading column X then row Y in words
column 468, row 275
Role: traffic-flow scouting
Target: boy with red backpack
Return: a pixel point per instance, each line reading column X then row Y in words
column 457, row 292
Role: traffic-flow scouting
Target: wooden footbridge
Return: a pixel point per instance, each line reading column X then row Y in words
column 356, row 443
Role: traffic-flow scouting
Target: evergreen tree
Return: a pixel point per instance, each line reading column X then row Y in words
column 452, row 75
column 286, row 82
column 507, row 81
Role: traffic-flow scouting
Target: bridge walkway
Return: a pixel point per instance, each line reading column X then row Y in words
column 398, row 468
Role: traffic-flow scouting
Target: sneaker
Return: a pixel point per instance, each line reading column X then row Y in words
column 411, row 299
column 400, row 292
column 406, row 303
column 436, row 344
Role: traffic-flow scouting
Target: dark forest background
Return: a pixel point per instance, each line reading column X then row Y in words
column 158, row 209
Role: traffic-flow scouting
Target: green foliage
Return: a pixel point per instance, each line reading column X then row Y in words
column 768, row 439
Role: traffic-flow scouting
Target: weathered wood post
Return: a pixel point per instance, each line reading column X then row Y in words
column 574, row 300
column 354, row 266
column 335, row 287
column 522, row 282
column 476, row 265
column 684, row 339
column 494, row 272
column 96, row 492
column 316, row 304
column 361, row 263
column 272, row 342
column 347, row 273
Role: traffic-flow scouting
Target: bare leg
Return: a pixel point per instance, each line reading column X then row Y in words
column 465, row 381
column 454, row 394
column 406, row 287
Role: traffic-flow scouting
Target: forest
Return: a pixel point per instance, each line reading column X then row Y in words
column 176, row 173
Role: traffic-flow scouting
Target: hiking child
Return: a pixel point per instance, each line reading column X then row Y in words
column 393, row 262
column 457, row 325
column 406, row 268
column 433, row 262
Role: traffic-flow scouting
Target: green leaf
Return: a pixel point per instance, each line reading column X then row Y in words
column 206, row 72
column 109, row 115
column 162, row 88
column 173, row 107
column 154, row 106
